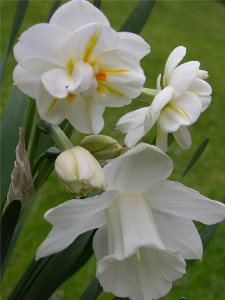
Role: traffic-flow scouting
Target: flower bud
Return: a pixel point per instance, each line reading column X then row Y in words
column 79, row 171
column 103, row 147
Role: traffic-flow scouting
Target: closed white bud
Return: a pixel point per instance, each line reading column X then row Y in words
column 79, row 171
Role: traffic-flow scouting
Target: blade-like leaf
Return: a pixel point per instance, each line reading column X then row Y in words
column 43, row 276
column 12, row 120
column 138, row 17
column 92, row 291
column 17, row 22
column 8, row 224
column 97, row 3
column 196, row 156
column 53, row 8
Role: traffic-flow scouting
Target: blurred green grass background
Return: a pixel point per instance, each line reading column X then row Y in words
column 200, row 26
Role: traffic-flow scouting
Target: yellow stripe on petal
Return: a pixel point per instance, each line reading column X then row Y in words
column 104, row 89
column 52, row 104
column 178, row 110
column 70, row 66
column 115, row 71
column 90, row 45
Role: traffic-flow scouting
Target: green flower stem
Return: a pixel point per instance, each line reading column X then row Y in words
column 147, row 95
column 58, row 136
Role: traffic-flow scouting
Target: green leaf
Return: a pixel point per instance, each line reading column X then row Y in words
column 12, row 120
column 92, row 291
column 16, row 24
column 43, row 276
column 97, row 3
column 195, row 157
column 53, row 8
column 138, row 17
column 8, row 224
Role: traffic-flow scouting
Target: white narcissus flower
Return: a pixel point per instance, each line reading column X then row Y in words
column 185, row 94
column 145, row 225
column 79, row 171
column 76, row 65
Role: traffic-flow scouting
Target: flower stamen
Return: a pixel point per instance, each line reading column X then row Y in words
column 138, row 257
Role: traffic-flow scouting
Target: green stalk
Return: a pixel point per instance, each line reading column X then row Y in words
column 58, row 136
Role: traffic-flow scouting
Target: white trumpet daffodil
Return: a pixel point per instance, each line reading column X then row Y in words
column 145, row 225
column 178, row 104
column 76, row 65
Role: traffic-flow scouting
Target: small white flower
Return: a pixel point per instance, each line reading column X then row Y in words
column 145, row 225
column 77, row 65
column 184, row 96
column 79, row 171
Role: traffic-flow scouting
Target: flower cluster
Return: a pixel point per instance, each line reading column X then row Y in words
column 77, row 65
column 184, row 96
column 74, row 67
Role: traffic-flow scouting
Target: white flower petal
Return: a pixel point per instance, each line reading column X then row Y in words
column 171, row 119
column 183, row 137
column 130, row 41
column 176, row 199
column 158, row 82
column 77, row 13
column 85, row 115
column 138, row 168
column 82, row 78
column 118, row 59
column 161, row 139
column 41, row 40
column 179, row 233
column 129, row 230
column 203, row 90
column 50, row 108
column 133, row 261
column 173, row 60
column 181, row 111
column 115, row 94
column 89, row 41
column 150, row 279
column 56, row 241
column 134, row 136
column 78, row 213
column 187, row 106
column 132, row 120
column 56, row 82
column 182, row 77
column 26, row 81
column 161, row 99
column 38, row 65
column 203, row 74
column 73, row 218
